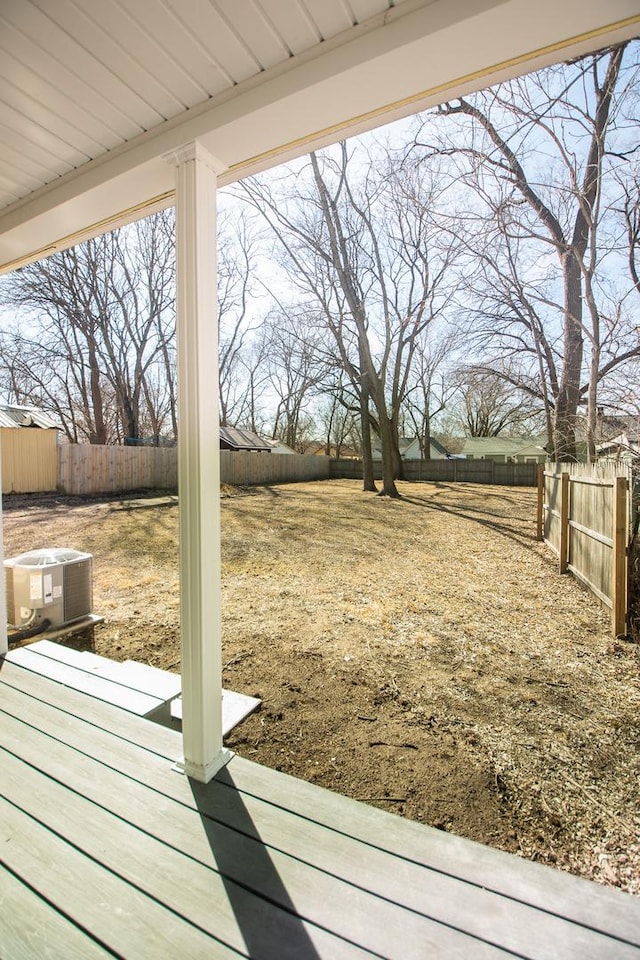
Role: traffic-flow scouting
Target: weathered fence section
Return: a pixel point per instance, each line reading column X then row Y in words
column 85, row 469
column 448, row 471
column 242, row 467
column 29, row 461
column 584, row 516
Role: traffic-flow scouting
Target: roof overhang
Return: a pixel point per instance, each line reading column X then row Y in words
column 416, row 55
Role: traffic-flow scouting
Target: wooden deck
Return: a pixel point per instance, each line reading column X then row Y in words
column 106, row 851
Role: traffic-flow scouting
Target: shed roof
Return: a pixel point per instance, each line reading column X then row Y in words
column 239, row 439
column 18, row 416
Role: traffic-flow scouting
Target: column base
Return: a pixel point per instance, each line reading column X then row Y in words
column 203, row 773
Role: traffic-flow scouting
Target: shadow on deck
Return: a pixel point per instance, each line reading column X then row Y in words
column 106, row 851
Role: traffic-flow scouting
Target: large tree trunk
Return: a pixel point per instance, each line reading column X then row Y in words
column 387, row 442
column 566, row 410
column 368, row 479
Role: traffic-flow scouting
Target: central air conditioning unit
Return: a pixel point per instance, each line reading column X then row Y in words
column 48, row 588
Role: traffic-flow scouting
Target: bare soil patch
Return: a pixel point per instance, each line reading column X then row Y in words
column 422, row 655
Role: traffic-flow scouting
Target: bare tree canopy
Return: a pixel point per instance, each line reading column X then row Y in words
column 361, row 245
column 542, row 168
column 96, row 339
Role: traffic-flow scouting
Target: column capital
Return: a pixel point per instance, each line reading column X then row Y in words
column 194, row 150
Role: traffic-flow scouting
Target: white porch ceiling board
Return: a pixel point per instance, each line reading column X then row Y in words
column 164, row 51
column 30, row 133
column 254, row 31
column 85, row 62
column 411, row 57
column 62, row 82
column 217, row 42
column 358, row 7
column 28, row 92
column 11, row 174
column 113, row 43
column 293, row 24
column 333, row 16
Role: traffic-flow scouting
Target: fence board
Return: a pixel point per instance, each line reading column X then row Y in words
column 447, row 471
column 86, row 469
column 587, row 523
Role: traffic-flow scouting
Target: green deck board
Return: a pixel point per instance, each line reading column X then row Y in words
column 161, row 740
column 367, row 875
column 194, row 847
column 30, row 928
column 119, row 916
column 395, row 878
column 99, row 687
column 577, row 899
column 216, row 906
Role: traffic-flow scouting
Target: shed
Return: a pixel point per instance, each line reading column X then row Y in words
column 29, row 442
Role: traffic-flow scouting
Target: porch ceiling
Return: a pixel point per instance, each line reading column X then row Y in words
column 92, row 95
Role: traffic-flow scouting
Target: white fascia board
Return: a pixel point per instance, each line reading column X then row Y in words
column 416, row 55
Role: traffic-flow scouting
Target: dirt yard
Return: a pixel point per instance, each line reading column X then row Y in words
column 421, row 655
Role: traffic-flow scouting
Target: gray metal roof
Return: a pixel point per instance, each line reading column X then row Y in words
column 17, row 416
column 243, row 439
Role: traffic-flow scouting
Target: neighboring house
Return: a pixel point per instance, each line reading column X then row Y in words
column 13, row 415
column 437, row 451
column 504, row 449
column 410, row 449
column 235, row 438
column 624, row 446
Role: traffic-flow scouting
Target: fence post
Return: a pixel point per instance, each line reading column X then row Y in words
column 540, row 516
column 564, row 523
column 619, row 564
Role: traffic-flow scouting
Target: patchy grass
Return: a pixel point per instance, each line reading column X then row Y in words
column 422, row 655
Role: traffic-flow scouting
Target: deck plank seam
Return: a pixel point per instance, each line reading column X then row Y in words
column 296, row 813
column 432, row 869
column 251, row 889
column 254, row 891
column 126, row 715
column 128, row 883
column 225, row 878
column 337, row 831
column 69, row 919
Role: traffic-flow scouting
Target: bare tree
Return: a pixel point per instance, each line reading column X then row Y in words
column 359, row 241
column 96, row 332
column 535, row 153
column 487, row 406
column 431, row 388
column 237, row 322
column 295, row 371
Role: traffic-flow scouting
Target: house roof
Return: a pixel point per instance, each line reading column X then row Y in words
column 94, row 96
column 240, row 439
column 498, row 446
column 12, row 415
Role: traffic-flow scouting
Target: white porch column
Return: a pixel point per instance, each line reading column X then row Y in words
column 198, row 460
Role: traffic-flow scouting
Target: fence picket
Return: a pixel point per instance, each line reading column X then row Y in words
column 589, row 528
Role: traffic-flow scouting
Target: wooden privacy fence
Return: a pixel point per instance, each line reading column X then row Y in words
column 447, row 471
column 584, row 516
column 86, row 469
column 240, row 467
